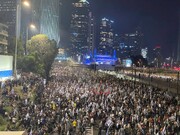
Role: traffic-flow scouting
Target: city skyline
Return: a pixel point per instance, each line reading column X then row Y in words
column 158, row 20
column 89, row 67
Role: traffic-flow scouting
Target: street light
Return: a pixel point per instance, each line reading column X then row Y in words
column 178, row 83
column 18, row 25
column 26, row 3
column 32, row 26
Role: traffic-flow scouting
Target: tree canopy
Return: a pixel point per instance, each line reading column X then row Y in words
column 41, row 52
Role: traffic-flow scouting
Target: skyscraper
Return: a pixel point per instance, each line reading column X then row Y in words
column 80, row 28
column 36, row 13
column 106, row 37
column 116, row 45
column 49, row 19
column 131, row 44
column 8, row 15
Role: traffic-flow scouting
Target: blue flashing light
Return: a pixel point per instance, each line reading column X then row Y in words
column 88, row 57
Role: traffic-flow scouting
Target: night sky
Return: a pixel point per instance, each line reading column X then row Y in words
column 158, row 20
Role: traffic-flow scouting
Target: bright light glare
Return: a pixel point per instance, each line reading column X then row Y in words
column 26, row 3
column 32, row 26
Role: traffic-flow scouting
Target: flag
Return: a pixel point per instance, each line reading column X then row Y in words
column 109, row 123
column 163, row 132
column 31, row 132
column 141, row 129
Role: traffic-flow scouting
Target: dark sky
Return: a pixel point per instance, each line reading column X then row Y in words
column 158, row 19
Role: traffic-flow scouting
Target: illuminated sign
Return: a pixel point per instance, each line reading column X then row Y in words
column 127, row 62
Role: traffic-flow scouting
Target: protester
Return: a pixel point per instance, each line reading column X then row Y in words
column 76, row 98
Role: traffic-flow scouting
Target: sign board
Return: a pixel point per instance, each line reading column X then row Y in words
column 6, row 66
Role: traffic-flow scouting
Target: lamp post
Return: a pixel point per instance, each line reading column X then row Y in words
column 18, row 25
column 32, row 26
column 178, row 83
column 135, row 77
column 149, row 77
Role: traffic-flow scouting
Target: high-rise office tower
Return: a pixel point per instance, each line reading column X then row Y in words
column 49, row 19
column 106, row 37
column 8, row 15
column 116, row 45
column 131, row 44
column 80, row 28
column 36, row 13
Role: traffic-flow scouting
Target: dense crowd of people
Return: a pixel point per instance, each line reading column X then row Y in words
column 76, row 97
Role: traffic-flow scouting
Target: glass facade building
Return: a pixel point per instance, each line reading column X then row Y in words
column 80, row 32
column 129, row 44
column 106, row 37
column 8, row 15
column 49, row 19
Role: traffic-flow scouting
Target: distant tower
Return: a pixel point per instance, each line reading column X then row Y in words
column 178, row 48
column 49, row 20
column 106, row 37
column 36, row 13
column 157, row 56
column 81, row 31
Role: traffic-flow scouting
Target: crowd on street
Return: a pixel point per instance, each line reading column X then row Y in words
column 77, row 97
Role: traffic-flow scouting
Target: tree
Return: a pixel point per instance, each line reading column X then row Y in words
column 27, row 61
column 44, row 52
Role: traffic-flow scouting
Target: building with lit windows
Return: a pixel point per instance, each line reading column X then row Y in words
column 49, row 19
column 116, row 44
column 3, row 38
column 106, row 37
column 80, row 29
column 8, row 15
column 130, row 44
